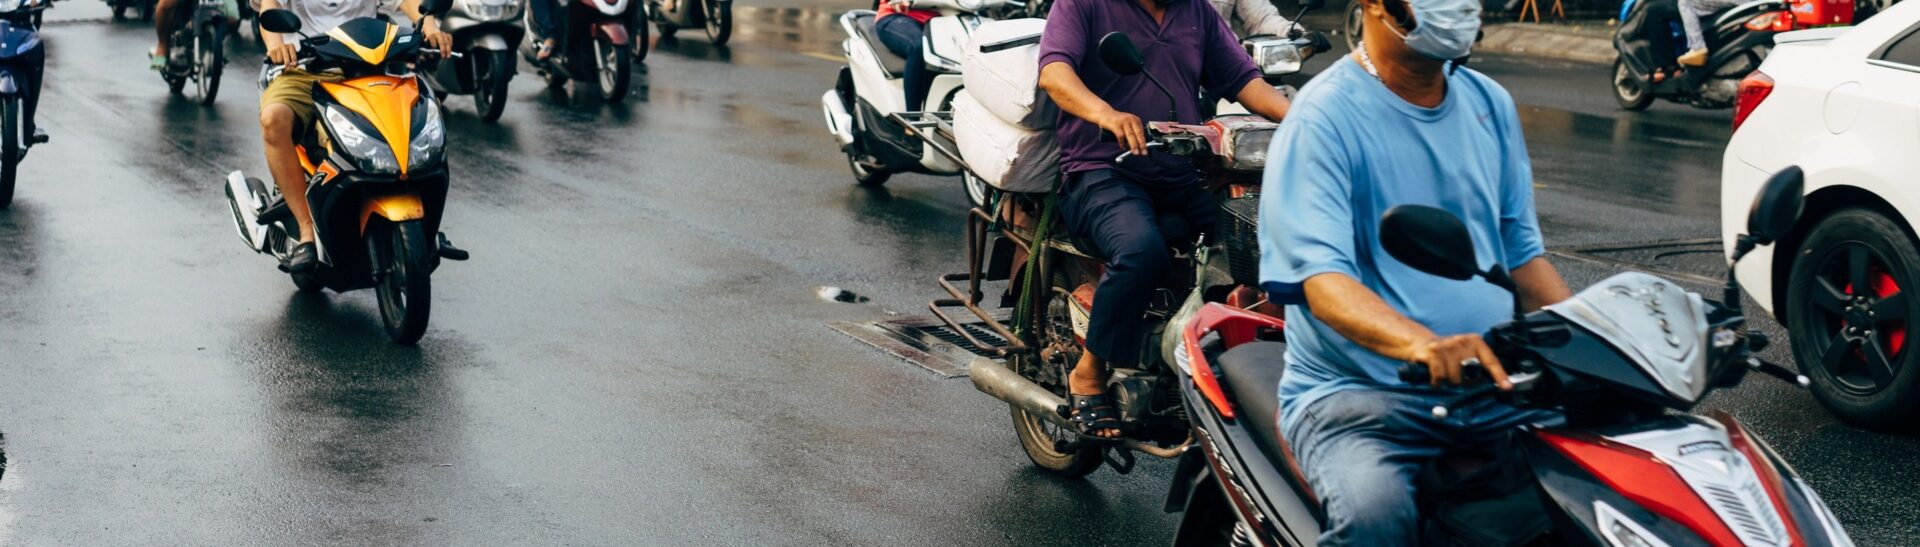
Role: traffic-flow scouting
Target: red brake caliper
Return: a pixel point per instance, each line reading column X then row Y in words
column 1884, row 286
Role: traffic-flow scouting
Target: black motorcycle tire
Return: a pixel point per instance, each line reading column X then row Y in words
column 719, row 21
column 612, row 79
column 1034, row 438
column 1627, row 91
column 210, row 54
column 490, row 93
column 1355, row 23
column 865, row 175
column 641, row 39
column 1881, row 405
column 9, row 148
column 404, row 289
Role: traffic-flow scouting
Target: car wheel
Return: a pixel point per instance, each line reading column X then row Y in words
column 1849, row 324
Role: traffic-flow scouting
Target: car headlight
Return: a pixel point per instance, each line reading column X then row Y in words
column 364, row 152
column 430, row 142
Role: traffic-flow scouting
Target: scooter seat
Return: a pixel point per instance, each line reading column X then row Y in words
column 895, row 65
column 1252, row 372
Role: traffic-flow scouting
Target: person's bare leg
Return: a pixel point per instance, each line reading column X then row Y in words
column 276, row 129
column 1089, row 377
column 163, row 25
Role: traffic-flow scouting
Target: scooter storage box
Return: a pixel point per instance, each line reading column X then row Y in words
column 1002, row 70
column 1007, row 156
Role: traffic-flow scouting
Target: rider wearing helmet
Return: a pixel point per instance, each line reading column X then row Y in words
column 286, row 105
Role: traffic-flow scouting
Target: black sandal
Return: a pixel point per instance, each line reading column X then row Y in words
column 1094, row 413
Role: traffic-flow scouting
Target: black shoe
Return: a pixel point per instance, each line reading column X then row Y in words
column 447, row 250
column 40, row 135
column 303, row 259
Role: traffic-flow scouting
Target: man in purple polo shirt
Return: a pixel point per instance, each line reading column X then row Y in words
column 1187, row 47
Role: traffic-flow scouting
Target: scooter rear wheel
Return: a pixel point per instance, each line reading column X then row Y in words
column 719, row 21
column 866, row 175
column 1629, row 91
column 615, row 69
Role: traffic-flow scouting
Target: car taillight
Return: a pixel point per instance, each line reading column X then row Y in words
column 1643, row 479
column 1753, row 89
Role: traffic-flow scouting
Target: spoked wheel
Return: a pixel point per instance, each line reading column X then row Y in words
column 1850, row 331
column 402, row 259
column 495, row 73
column 1628, row 90
column 209, row 53
column 1355, row 23
column 1048, row 367
column 9, row 147
column 719, row 20
column 615, row 68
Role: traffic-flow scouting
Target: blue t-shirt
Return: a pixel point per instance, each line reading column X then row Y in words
column 1349, row 150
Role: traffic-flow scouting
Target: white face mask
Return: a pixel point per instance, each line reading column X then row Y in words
column 1443, row 30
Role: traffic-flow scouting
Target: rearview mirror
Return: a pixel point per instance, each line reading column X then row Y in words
column 279, row 20
column 1430, row 240
column 1778, row 206
column 1117, row 51
column 436, row 8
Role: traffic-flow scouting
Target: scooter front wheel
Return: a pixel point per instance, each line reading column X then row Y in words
column 491, row 96
column 9, row 147
column 210, row 54
column 615, row 69
column 719, row 21
column 402, row 259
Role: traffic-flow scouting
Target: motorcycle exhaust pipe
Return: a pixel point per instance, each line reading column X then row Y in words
column 839, row 121
column 992, row 378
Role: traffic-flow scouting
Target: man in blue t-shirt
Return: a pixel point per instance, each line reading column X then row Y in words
column 1395, row 123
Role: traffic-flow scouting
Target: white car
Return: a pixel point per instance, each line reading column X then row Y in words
column 1844, row 105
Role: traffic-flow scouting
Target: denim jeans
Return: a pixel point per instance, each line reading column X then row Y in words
column 1690, row 13
column 903, row 36
column 1361, row 449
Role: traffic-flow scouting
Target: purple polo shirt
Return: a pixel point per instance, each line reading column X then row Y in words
column 1191, row 48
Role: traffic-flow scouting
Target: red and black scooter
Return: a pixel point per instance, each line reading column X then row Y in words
column 1623, row 360
column 594, row 45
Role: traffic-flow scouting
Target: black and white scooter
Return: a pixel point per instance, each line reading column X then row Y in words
column 871, row 87
column 486, row 31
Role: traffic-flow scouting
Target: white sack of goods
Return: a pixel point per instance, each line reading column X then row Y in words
column 1002, row 70
column 1009, row 157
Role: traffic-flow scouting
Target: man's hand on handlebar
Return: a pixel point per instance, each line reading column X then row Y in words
column 283, row 54
column 1127, row 129
column 440, row 41
column 1447, row 358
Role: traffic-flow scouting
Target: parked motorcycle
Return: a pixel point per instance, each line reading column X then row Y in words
column 1650, row 40
column 672, row 15
column 1052, row 281
column 594, row 44
column 198, row 48
column 377, row 166
column 872, row 87
column 485, row 31
column 22, row 66
column 1622, row 361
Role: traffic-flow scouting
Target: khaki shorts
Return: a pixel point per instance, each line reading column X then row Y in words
column 294, row 88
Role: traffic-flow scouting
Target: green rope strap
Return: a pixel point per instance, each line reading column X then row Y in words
column 1022, row 315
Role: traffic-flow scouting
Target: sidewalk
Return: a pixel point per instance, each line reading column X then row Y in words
column 1585, row 41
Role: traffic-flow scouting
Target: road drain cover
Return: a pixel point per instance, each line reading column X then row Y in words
column 1696, row 260
column 923, row 340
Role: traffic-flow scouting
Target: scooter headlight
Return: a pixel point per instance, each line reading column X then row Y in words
column 491, row 10
column 429, row 142
column 368, row 154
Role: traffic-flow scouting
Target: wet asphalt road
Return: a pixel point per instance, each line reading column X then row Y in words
column 636, row 353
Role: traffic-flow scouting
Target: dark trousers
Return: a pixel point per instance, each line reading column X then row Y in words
column 1121, row 219
column 904, row 37
column 545, row 21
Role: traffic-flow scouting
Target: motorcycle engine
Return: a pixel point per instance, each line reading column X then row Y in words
column 1139, row 396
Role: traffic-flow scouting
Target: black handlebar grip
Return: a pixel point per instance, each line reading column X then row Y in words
column 1415, row 373
column 1319, row 41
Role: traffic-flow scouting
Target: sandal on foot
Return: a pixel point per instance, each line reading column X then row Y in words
column 1093, row 413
